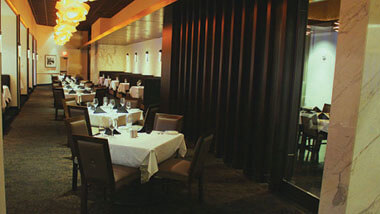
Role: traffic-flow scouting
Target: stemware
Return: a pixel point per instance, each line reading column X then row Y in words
column 112, row 125
column 128, row 105
column 122, row 101
column 112, row 103
column 95, row 102
column 105, row 101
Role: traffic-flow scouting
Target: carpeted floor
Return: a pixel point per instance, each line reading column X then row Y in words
column 38, row 176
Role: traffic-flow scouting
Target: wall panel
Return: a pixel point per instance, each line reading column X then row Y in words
column 233, row 71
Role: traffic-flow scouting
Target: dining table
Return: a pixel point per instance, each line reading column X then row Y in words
column 146, row 151
column 322, row 124
column 107, row 82
column 123, row 87
column 114, row 84
column 7, row 97
column 137, row 92
column 101, row 80
column 102, row 119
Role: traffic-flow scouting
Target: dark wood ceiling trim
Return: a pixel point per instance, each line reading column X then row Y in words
column 33, row 10
column 46, row 13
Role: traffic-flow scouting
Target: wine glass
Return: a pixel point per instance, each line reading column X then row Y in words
column 122, row 101
column 95, row 102
column 113, row 103
column 105, row 101
column 112, row 124
column 129, row 105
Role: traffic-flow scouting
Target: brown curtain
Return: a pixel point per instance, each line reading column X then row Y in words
column 234, row 66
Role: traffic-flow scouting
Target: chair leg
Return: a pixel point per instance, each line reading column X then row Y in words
column 200, row 188
column 84, row 198
column 75, row 176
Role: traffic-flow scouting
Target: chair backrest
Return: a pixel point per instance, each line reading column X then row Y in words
column 66, row 103
column 163, row 122
column 149, row 117
column 326, row 108
column 94, row 160
column 76, row 126
column 100, row 93
column 75, row 111
column 309, row 124
column 200, row 155
column 58, row 97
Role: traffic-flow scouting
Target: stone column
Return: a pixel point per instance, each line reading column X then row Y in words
column 351, row 180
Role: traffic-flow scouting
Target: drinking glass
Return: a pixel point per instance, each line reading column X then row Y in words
column 112, row 124
column 122, row 101
column 128, row 105
column 96, row 102
column 113, row 103
column 105, row 101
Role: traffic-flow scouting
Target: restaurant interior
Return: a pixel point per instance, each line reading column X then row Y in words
column 189, row 106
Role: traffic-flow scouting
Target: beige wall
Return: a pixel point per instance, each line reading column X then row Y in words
column 114, row 57
column 352, row 165
column 47, row 46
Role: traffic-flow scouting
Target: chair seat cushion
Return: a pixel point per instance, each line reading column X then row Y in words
column 176, row 169
column 124, row 175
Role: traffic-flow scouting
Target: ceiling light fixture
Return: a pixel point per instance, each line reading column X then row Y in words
column 70, row 13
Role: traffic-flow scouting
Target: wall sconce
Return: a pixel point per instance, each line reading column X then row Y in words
column 28, row 53
column 159, row 55
column 1, row 43
column 147, row 56
column 136, row 57
column 36, row 56
column 19, row 50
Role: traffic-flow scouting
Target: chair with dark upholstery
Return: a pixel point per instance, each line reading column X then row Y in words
column 66, row 103
column 326, row 108
column 96, row 167
column 75, row 111
column 311, row 137
column 163, row 122
column 58, row 97
column 76, row 126
column 149, row 118
column 100, row 93
column 186, row 171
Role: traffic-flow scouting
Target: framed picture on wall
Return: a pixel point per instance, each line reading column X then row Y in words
column 50, row 61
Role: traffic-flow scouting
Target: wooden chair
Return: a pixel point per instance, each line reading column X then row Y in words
column 75, row 111
column 96, row 167
column 66, row 103
column 149, row 118
column 311, row 137
column 58, row 97
column 186, row 171
column 100, row 93
column 163, row 122
column 76, row 126
column 326, row 108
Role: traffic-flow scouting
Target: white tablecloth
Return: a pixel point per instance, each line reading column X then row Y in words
column 101, row 81
column 137, row 92
column 102, row 119
column 114, row 84
column 123, row 87
column 80, row 97
column 7, row 97
column 146, row 151
column 107, row 82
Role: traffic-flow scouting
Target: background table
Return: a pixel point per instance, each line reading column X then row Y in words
column 323, row 124
column 7, row 97
column 107, row 82
column 137, row 92
column 123, row 87
column 81, row 97
column 102, row 119
column 146, row 151
column 101, row 81
column 114, row 84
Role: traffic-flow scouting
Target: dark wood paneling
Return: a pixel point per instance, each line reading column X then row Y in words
column 45, row 13
column 233, row 69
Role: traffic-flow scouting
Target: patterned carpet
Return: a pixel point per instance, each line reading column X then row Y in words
column 38, row 177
